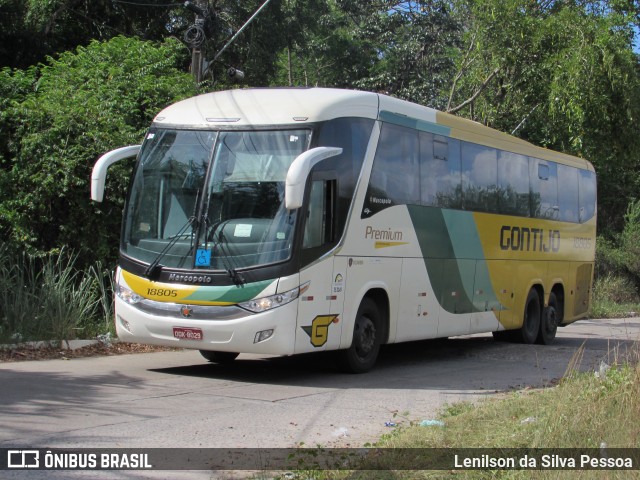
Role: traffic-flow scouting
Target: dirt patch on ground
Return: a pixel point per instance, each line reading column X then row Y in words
column 20, row 354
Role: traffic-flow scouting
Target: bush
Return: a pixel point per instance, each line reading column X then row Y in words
column 630, row 240
column 19, row 300
column 619, row 255
column 60, row 117
column 47, row 298
column 615, row 289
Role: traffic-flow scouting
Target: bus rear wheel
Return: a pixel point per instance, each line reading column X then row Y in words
column 551, row 317
column 361, row 356
column 528, row 333
column 219, row 357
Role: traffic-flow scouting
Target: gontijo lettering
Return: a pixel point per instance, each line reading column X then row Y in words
column 525, row 239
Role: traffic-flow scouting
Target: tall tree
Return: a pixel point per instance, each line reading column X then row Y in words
column 60, row 118
column 401, row 48
column 324, row 46
column 562, row 75
column 414, row 41
column 32, row 29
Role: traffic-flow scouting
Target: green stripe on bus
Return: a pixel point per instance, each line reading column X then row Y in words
column 231, row 294
column 454, row 258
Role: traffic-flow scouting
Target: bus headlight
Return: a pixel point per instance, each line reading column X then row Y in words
column 263, row 304
column 127, row 294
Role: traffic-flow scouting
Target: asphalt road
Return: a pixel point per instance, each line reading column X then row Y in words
column 177, row 399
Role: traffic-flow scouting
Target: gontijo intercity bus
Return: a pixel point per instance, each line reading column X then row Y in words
column 285, row 221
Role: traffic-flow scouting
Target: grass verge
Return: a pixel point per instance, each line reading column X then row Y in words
column 614, row 296
column 585, row 410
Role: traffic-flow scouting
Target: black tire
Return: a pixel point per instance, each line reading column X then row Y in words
column 503, row 335
column 361, row 356
column 528, row 333
column 219, row 357
column 551, row 317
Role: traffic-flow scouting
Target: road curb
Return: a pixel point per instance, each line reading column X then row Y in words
column 64, row 344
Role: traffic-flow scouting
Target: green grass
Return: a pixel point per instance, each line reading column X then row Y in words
column 585, row 410
column 614, row 296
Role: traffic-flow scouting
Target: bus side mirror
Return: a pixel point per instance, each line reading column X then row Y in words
column 99, row 173
column 299, row 171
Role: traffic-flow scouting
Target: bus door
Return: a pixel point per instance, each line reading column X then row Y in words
column 320, row 306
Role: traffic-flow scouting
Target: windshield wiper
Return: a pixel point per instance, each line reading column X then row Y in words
column 226, row 258
column 153, row 270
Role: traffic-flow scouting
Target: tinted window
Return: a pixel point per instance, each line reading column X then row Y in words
column 513, row 184
column 587, row 195
column 439, row 171
column 352, row 135
column 318, row 227
column 395, row 173
column 568, row 193
column 479, row 177
column 544, row 189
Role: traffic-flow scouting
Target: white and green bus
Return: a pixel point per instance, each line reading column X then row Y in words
column 286, row 221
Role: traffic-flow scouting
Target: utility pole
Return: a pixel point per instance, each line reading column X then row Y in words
column 196, row 35
column 204, row 27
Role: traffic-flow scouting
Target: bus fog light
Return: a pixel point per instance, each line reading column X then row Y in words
column 263, row 335
column 124, row 324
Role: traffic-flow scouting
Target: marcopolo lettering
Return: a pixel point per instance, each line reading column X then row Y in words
column 175, row 277
column 525, row 239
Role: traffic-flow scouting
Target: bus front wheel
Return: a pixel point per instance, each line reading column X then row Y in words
column 532, row 317
column 361, row 356
column 219, row 357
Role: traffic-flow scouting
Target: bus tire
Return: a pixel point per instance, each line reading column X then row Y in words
column 549, row 322
column 361, row 356
column 503, row 335
column 528, row 333
column 219, row 357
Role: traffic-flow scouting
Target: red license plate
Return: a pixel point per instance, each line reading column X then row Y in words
column 186, row 333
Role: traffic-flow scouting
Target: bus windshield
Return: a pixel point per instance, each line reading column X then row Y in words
column 212, row 200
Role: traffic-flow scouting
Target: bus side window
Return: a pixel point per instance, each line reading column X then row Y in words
column 395, row 174
column 544, row 189
column 479, row 177
column 587, row 191
column 568, row 200
column 513, row 184
column 319, row 228
column 440, row 171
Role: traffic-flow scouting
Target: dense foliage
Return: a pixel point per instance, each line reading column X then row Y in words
column 83, row 77
column 562, row 75
column 59, row 118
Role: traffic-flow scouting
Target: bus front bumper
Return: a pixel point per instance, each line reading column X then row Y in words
column 222, row 329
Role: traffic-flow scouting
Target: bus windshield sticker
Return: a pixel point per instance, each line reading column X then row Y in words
column 203, row 258
column 243, row 230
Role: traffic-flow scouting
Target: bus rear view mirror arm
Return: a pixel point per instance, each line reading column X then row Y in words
column 99, row 173
column 299, row 172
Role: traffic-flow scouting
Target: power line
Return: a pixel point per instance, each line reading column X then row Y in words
column 240, row 31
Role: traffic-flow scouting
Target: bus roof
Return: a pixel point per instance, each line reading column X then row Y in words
column 269, row 106
column 288, row 106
